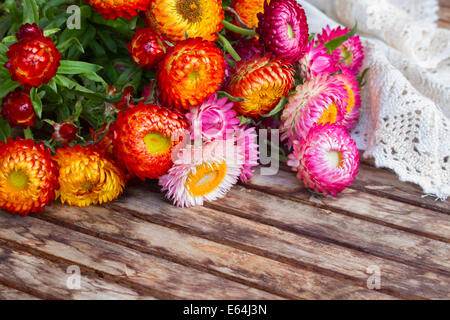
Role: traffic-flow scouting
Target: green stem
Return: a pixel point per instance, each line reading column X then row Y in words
column 236, row 29
column 27, row 133
column 228, row 47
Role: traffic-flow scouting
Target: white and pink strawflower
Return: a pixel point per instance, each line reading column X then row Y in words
column 316, row 61
column 214, row 119
column 327, row 160
column 204, row 173
column 319, row 100
column 353, row 102
column 350, row 54
column 247, row 143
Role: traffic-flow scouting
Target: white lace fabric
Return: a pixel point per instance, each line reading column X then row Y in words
column 404, row 123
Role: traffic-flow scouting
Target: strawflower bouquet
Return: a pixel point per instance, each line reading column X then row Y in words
column 98, row 94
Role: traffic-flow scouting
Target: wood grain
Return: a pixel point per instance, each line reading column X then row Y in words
column 175, row 245
column 48, row 280
column 157, row 277
column 301, row 251
column 384, row 183
column 336, row 228
column 7, row 293
column 359, row 204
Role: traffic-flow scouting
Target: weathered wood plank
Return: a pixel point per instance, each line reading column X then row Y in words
column 359, row 204
column 273, row 276
column 158, row 277
column 7, row 293
column 332, row 227
column 271, row 242
column 48, row 280
column 384, row 183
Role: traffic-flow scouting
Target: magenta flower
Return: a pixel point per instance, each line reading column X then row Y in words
column 214, row 119
column 247, row 48
column 316, row 61
column 353, row 103
column 327, row 160
column 349, row 54
column 319, row 100
column 283, row 29
column 246, row 141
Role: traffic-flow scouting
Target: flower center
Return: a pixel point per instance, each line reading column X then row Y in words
column 329, row 115
column 206, row 178
column 189, row 9
column 157, row 143
column 351, row 99
column 335, row 159
column 194, row 76
column 88, row 186
column 290, row 31
column 18, row 180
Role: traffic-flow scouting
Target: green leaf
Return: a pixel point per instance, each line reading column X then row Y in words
column 30, row 11
column 68, row 44
column 108, row 40
column 6, row 86
column 222, row 94
column 50, row 32
column 5, row 129
column 27, row 133
column 9, row 39
column 70, row 84
column 244, row 120
column 36, row 101
column 277, row 109
column 336, row 42
column 77, row 67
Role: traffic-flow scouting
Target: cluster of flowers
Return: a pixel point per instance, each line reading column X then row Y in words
column 188, row 138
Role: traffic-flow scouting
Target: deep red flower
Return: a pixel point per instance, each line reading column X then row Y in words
column 65, row 132
column 147, row 48
column 34, row 59
column 29, row 31
column 18, row 109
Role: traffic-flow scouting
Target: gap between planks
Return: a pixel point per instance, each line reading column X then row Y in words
column 212, row 223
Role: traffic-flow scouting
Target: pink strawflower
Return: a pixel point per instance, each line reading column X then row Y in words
column 316, row 61
column 319, row 100
column 203, row 173
column 214, row 119
column 247, row 143
column 283, row 29
column 353, row 102
column 327, row 160
column 349, row 54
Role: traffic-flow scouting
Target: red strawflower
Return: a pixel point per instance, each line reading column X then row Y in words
column 65, row 132
column 34, row 59
column 18, row 109
column 29, row 30
column 145, row 136
column 191, row 71
column 28, row 176
column 147, row 48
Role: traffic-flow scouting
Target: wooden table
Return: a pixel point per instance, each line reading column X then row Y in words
column 270, row 239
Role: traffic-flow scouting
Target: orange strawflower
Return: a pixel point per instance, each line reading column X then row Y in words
column 87, row 177
column 113, row 9
column 190, row 72
column 145, row 136
column 262, row 82
column 195, row 18
column 28, row 176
